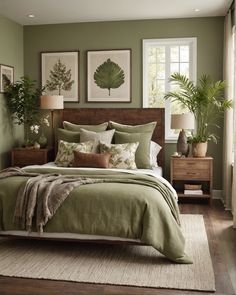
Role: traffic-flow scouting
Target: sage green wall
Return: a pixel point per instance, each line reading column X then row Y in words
column 11, row 53
column 129, row 34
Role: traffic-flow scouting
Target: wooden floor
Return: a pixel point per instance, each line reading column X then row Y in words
column 222, row 242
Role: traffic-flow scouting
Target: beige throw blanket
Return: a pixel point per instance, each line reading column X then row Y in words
column 42, row 195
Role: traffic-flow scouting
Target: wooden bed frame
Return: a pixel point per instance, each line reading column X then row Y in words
column 130, row 116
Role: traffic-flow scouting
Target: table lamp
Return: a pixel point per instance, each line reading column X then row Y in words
column 182, row 121
column 52, row 102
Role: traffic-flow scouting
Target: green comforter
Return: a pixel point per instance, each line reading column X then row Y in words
column 132, row 206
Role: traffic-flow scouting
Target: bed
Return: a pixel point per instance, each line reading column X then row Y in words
column 125, row 206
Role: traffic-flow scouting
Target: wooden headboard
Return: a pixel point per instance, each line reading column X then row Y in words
column 130, row 116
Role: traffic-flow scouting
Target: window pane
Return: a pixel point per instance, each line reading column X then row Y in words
column 151, row 55
column 174, row 67
column 156, row 99
column 160, row 71
column 152, row 72
column 184, row 69
column 163, row 59
column 184, row 53
column 160, row 50
column 152, row 92
column 174, row 87
column 174, row 53
column 177, row 108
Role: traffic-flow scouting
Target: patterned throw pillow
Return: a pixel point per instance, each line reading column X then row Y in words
column 104, row 137
column 142, row 156
column 122, row 155
column 65, row 154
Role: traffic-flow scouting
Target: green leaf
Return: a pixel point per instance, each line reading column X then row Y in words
column 23, row 100
column 109, row 75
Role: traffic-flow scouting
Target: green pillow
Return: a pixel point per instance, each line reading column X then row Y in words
column 67, row 135
column 149, row 127
column 142, row 156
column 75, row 127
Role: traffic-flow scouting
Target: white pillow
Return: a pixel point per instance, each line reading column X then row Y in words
column 154, row 151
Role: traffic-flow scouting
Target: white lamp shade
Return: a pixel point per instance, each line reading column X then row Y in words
column 182, row 121
column 51, row 102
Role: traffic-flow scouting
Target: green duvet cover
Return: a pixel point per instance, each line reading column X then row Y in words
column 131, row 206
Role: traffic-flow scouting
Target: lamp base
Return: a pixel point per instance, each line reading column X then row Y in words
column 182, row 145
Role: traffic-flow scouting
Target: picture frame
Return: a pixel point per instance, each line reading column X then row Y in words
column 67, row 64
column 6, row 72
column 102, row 86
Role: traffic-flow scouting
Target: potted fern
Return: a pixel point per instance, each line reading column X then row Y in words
column 206, row 101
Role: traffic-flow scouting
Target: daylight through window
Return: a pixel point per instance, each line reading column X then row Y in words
column 162, row 58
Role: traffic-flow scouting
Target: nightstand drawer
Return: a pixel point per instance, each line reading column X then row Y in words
column 193, row 174
column 192, row 171
column 190, row 165
column 23, row 157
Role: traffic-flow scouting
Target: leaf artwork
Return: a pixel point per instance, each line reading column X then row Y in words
column 109, row 75
column 6, row 81
column 60, row 78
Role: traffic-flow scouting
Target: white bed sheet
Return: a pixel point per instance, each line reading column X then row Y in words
column 155, row 171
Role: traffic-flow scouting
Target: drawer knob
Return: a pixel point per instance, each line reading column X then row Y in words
column 191, row 173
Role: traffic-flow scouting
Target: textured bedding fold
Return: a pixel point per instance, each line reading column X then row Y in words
column 115, row 204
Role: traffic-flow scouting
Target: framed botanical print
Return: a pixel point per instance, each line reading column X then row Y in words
column 109, row 75
column 60, row 74
column 6, row 76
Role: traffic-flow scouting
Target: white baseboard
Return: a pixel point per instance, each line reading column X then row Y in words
column 217, row 194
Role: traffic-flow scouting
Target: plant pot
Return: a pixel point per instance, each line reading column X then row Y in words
column 199, row 149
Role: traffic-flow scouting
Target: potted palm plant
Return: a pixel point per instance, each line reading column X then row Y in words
column 23, row 102
column 206, row 101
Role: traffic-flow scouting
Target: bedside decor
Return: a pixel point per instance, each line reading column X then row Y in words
column 52, row 102
column 60, row 74
column 6, row 77
column 109, row 75
column 23, row 103
column 206, row 102
column 42, row 139
column 182, row 121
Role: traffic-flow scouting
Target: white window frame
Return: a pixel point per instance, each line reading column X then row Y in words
column 192, row 43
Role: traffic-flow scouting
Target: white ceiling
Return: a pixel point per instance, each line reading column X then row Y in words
column 70, row 11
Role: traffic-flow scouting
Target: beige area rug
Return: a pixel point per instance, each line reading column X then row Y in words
column 112, row 264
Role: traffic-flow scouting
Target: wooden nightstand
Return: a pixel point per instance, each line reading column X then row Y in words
column 25, row 156
column 192, row 171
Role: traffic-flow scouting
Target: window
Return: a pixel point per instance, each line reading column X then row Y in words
column 161, row 58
